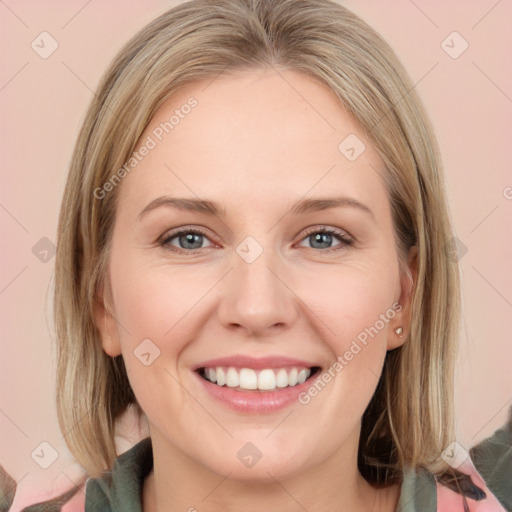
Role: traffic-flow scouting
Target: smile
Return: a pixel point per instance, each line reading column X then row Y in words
column 255, row 385
column 248, row 379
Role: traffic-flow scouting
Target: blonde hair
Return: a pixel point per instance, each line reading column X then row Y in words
column 410, row 419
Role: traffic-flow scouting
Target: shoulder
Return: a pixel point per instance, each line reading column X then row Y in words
column 121, row 489
column 486, row 488
column 421, row 492
column 493, row 459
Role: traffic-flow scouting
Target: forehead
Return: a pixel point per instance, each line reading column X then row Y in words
column 254, row 135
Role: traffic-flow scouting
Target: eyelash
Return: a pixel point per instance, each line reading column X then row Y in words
column 345, row 240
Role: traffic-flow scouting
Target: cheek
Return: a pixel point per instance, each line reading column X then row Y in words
column 159, row 310
column 154, row 309
column 353, row 311
column 353, row 307
column 351, row 302
column 156, row 302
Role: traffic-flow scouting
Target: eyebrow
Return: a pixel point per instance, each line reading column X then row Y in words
column 212, row 208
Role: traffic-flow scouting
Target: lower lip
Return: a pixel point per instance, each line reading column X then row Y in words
column 255, row 402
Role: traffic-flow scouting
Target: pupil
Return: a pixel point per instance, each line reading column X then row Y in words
column 323, row 238
column 189, row 239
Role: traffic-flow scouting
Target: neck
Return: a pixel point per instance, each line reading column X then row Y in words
column 178, row 483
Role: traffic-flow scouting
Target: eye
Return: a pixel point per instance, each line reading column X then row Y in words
column 185, row 240
column 322, row 238
column 190, row 240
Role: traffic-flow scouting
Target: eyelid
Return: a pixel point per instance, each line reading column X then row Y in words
column 326, row 229
column 168, row 235
column 345, row 239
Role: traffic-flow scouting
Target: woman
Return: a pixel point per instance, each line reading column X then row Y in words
column 254, row 251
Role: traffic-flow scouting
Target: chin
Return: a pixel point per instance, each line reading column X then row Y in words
column 250, row 465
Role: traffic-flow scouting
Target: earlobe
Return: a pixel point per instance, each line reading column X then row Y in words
column 106, row 325
column 400, row 328
column 396, row 336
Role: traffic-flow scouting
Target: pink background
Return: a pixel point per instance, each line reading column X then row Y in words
column 42, row 104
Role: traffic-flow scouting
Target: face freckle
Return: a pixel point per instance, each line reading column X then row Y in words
column 304, row 287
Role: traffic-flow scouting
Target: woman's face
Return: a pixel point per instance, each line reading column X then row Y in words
column 256, row 295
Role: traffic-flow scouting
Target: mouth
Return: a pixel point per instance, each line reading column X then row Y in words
column 253, row 380
column 255, row 385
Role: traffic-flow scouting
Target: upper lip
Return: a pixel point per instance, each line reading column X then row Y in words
column 259, row 363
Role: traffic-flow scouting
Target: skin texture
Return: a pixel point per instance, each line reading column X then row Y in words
column 256, row 142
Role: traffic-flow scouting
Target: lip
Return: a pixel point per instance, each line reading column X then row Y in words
column 255, row 402
column 260, row 363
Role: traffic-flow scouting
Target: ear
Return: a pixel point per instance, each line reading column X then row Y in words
column 105, row 321
column 403, row 317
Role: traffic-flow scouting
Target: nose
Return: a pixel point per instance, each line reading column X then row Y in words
column 256, row 298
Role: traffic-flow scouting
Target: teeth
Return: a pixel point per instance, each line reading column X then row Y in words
column 232, row 380
column 282, row 379
column 303, row 375
column 265, row 380
column 292, row 377
column 220, row 376
column 211, row 374
column 248, row 378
